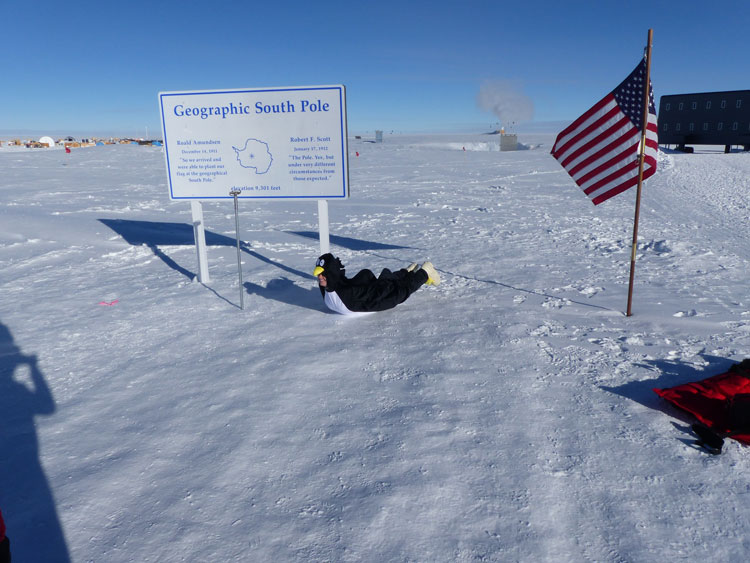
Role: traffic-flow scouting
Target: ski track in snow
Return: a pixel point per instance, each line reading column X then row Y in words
column 506, row 415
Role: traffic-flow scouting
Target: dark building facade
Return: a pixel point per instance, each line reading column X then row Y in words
column 710, row 118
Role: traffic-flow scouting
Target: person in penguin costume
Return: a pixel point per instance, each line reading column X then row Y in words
column 364, row 293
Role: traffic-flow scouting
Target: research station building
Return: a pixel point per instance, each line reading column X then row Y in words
column 709, row 118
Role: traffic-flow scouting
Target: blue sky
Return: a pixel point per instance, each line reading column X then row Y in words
column 97, row 66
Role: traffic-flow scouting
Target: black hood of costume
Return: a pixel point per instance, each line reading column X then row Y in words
column 333, row 270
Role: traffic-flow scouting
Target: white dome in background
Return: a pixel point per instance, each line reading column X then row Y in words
column 47, row 140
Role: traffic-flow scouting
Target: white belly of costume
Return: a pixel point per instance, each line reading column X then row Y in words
column 334, row 303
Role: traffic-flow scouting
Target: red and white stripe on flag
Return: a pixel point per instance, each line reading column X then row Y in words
column 600, row 149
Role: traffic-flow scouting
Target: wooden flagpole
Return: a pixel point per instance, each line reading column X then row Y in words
column 642, row 158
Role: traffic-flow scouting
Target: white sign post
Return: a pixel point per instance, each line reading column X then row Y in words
column 323, row 231
column 265, row 143
column 199, row 234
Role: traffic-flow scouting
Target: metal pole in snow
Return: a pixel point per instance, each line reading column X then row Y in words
column 235, row 193
column 642, row 156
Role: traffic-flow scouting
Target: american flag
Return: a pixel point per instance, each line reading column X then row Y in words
column 600, row 149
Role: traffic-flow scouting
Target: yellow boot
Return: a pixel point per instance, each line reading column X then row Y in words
column 433, row 278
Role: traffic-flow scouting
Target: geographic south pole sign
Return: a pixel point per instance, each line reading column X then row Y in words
column 268, row 143
column 258, row 143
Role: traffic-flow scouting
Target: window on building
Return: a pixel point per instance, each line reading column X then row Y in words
column 691, row 127
column 708, row 104
column 679, row 107
column 739, row 104
column 723, row 104
column 705, row 126
column 665, row 127
column 677, row 127
column 735, row 126
column 694, row 105
column 666, row 106
column 720, row 126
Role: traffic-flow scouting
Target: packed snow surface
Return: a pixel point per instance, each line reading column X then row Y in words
column 506, row 415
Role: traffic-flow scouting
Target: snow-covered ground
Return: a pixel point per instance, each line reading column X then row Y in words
column 506, row 415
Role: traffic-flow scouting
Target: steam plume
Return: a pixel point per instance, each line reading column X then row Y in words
column 506, row 101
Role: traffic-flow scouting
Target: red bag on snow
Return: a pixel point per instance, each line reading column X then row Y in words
column 721, row 402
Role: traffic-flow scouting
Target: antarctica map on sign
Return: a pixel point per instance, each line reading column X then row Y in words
column 254, row 154
column 259, row 143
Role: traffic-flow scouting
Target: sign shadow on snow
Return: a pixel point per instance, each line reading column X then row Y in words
column 672, row 373
column 158, row 233
column 350, row 243
column 28, row 506
column 286, row 291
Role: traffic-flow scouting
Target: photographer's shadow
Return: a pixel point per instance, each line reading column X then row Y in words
column 26, row 500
